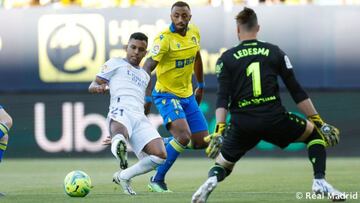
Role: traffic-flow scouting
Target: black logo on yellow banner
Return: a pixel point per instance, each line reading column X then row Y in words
column 71, row 47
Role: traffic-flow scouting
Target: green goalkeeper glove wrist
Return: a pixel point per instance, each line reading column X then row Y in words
column 329, row 133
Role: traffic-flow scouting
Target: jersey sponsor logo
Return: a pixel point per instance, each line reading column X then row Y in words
column 256, row 101
column 137, row 79
column 287, row 62
column 71, row 47
column 181, row 63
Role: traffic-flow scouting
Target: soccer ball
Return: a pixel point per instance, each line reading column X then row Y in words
column 77, row 184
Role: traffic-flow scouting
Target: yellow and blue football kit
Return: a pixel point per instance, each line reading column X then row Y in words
column 176, row 56
column 173, row 93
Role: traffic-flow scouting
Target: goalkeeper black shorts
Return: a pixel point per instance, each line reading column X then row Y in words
column 246, row 131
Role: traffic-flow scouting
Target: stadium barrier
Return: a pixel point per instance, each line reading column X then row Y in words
column 72, row 125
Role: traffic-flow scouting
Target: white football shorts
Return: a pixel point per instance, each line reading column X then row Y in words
column 140, row 130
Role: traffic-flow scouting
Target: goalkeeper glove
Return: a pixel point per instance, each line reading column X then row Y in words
column 216, row 140
column 329, row 133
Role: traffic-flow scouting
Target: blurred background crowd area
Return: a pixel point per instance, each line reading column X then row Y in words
column 8, row 4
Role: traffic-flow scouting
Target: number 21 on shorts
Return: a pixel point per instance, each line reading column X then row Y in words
column 116, row 111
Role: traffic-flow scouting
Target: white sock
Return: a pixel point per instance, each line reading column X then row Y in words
column 114, row 142
column 144, row 165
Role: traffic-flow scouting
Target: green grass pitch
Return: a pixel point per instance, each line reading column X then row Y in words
column 253, row 180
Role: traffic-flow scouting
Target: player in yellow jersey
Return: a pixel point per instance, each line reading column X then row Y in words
column 176, row 56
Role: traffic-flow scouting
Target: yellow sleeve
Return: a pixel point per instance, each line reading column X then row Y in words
column 160, row 47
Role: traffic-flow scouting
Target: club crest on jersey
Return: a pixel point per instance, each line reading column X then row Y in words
column 218, row 68
column 156, row 49
column 178, row 45
column 193, row 38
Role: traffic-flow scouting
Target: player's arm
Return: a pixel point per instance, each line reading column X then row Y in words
column 155, row 55
column 306, row 107
column 159, row 48
column 149, row 66
column 223, row 94
column 223, row 97
column 224, row 79
column 99, row 86
column 199, row 75
column 329, row 133
column 298, row 94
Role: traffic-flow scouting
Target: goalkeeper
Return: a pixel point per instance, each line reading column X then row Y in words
column 248, row 88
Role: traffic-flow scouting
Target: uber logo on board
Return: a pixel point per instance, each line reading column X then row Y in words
column 71, row 47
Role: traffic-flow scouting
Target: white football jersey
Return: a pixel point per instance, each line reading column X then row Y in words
column 127, row 84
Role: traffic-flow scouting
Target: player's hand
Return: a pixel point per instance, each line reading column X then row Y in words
column 102, row 89
column 216, row 140
column 330, row 134
column 107, row 141
column 199, row 92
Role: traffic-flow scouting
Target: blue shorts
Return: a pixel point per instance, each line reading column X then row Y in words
column 1, row 107
column 172, row 108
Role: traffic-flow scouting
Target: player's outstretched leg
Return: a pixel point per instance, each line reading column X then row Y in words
column 317, row 156
column 119, row 150
column 143, row 166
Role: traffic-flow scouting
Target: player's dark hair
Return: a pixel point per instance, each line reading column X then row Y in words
column 247, row 18
column 139, row 36
column 180, row 4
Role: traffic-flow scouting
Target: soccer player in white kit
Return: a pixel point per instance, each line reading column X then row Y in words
column 128, row 123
